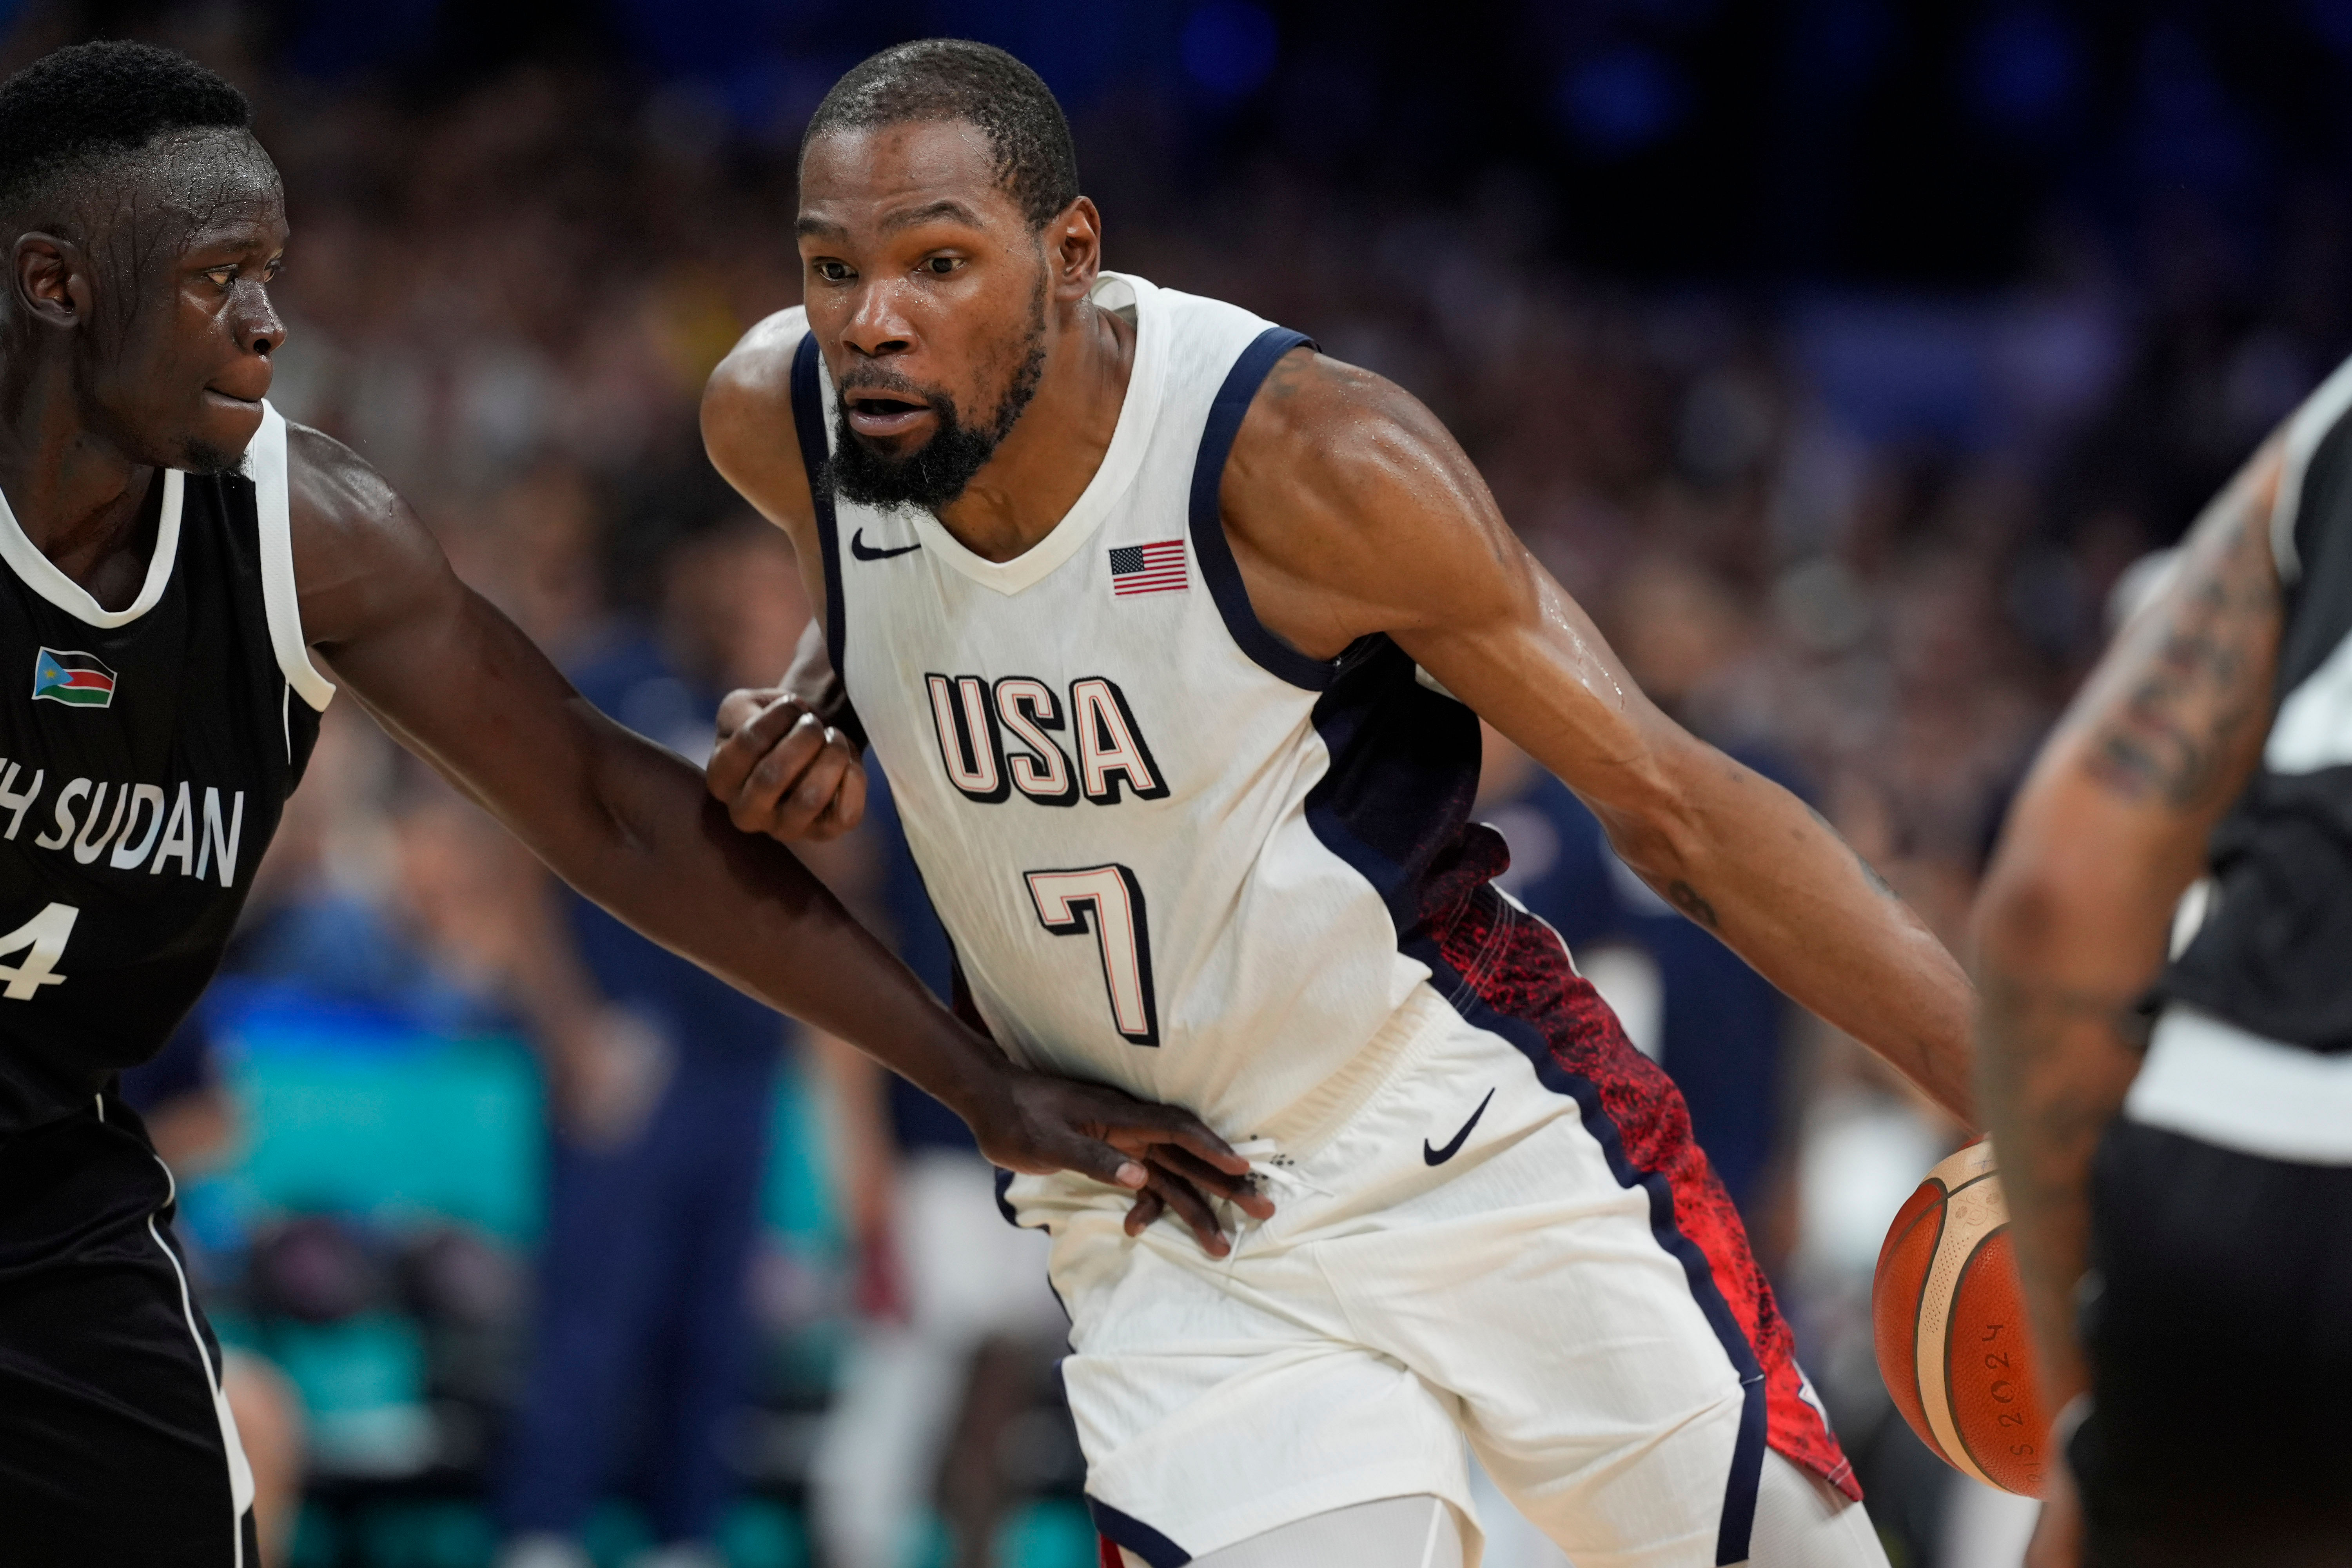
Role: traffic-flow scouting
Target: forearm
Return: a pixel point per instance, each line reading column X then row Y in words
column 2070, row 930
column 2054, row 1062
column 1750, row 862
column 632, row 829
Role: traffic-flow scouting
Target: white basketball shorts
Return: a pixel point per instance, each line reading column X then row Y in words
column 1511, row 1238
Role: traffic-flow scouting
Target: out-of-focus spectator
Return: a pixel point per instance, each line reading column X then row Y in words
column 659, row 1144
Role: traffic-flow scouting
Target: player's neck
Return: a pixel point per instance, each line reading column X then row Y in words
column 79, row 498
column 1047, row 462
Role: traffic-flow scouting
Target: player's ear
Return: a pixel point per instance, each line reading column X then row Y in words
column 52, row 286
column 1073, row 249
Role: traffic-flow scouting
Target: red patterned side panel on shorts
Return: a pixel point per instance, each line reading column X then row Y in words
column 1517, row 965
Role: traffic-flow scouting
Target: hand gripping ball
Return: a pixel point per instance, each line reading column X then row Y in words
column 1949, row 1313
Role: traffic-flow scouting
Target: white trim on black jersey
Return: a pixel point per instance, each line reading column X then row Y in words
column 41, row 574
column 2306, row 430
column 264, row 464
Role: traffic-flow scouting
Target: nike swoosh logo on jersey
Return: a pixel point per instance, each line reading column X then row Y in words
column 1439, row 1156
column 864, row 552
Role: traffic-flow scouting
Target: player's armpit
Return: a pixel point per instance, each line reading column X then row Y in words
column 1352, row 511
column 2108, row 830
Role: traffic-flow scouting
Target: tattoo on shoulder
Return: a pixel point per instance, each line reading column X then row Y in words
column 1686, row 898
column 2206, row 682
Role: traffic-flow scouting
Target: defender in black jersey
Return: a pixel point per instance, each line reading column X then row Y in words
column 2166, row 960
column 173, row 554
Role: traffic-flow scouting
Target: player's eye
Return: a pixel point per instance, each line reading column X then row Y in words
column 222, row 276
column 833, row 271
column 940, row 266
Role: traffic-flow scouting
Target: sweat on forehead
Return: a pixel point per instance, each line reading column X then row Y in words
column 181, row 183
column 76, row 110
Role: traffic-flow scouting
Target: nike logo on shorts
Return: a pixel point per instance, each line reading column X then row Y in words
column 1439, row 1156
column 864, row 552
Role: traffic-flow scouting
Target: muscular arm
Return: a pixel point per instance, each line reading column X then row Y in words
column 631, row 827
column 2109, row 829
column 1351, row 511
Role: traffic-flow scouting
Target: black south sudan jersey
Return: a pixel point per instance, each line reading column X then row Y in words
column 146, row 757
column 2273, row 955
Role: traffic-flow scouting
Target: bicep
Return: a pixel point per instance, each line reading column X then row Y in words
column 1352, row 510
column 456, row 682
column 431, row 661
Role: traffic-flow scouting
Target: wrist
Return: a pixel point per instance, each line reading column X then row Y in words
column 981, row 1090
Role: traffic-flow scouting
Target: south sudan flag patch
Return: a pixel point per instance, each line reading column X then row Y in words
column 76, row 680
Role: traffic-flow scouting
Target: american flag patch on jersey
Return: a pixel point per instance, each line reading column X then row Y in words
column 1155, row 568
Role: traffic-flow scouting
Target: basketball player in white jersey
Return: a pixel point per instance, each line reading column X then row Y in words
column 1172, row 636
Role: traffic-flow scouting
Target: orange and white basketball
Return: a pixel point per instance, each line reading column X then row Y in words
column 1949, row 1315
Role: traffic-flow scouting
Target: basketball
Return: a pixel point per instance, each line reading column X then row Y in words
column 1948, row 1314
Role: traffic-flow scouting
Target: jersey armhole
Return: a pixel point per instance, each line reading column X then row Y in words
column 1211, row 548
column 809, row 424
column 265, row 462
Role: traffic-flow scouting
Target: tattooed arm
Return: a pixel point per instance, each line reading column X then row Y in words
column 2108, row 831
column 1351, row 511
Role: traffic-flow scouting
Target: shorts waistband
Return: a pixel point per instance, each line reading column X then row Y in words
column 2229, row 1087
column 1316, row 1117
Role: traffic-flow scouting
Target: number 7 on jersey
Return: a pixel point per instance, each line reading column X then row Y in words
column 1108, row 901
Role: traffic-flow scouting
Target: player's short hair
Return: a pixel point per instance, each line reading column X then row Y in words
column 955, row 78
column 76, row 107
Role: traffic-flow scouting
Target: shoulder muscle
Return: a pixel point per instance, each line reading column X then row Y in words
column 1352, row 510
column 359, row 553
column 747, row 424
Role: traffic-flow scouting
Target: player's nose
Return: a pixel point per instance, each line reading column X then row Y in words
column 260, row 329
column 876, row 327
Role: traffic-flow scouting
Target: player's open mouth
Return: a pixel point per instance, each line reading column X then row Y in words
column 884, row 416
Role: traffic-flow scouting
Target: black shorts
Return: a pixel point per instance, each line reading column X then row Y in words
column 2219, row 1326
column 113, row 1441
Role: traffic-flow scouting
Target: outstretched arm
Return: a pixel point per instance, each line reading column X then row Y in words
column 1351, row 511
column 631, row 825
column 2109, row 829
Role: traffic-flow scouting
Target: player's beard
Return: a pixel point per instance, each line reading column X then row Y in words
column 935, row 473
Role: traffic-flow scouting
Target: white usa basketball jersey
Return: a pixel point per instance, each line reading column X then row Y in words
column 1178, row 856
column 1130, row 803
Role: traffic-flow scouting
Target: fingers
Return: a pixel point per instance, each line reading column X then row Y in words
column 1149, row 1127
column 812, row 789
column 1189, row 1207
column 1145, row 1128
column 745, row 743
column 1083, row 1155
column 740, row 707
column 1242, row 1190
column 786, row 774
column 847, row 807
column 1148, row 1207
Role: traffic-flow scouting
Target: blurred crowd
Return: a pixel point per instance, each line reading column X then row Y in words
column 1865, row 541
